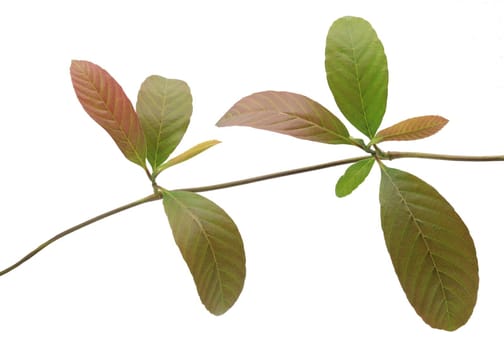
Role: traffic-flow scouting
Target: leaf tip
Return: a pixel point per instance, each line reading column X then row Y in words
column 222, row 121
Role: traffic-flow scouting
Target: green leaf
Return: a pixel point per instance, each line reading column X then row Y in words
column 287, row 113
column 353, row 177
column 431, row 249
column 411, row 129
column 164, row 107
column 105, row 101
column 211, row 246
column 360, row 143
column 191, row 152
column 357, row 73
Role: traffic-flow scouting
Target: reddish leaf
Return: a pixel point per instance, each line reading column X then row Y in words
column 412, row 129
column 105, row 101
column 287, row 113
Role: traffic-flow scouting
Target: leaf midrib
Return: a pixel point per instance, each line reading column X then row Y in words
column 161, row 124
column 357, row 76
column 297, row 116
column 313, row 124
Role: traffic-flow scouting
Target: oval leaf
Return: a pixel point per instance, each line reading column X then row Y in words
column 431, row 249
column 105, row 101
column 191, row 152
column 164, row 107
column 211, row 246
column 287, row 113
column 353, row 177
column 357, row 73
column 412, row 129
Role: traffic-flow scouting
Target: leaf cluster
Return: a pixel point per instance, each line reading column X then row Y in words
column 430, row 247
column 206, row 236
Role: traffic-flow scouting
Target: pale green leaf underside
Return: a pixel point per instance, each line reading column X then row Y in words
column 353, row 177
column 357, row 73
column 211, row 246
column 186, row 155
column 287, row 113
column 164, row 107
column 431, row 249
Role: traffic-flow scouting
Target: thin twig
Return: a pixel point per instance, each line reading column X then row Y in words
column 30, row 255
column 158, row 195
column 397, row 155
column 274, row 175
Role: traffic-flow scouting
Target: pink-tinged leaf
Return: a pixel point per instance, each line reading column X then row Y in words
column 105, row 101
column 412, row 129
column 287, row 113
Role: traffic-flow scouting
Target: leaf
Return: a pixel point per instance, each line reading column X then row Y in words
column 164, row 107
column 211, row 246
column 287, row 113
column 431, row 249
column 191, row 152
column 353, row 177
column 357, row 73
column 105, row 101
column 412, row 129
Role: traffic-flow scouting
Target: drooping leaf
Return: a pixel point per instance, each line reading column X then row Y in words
column 353, row 177
column 412, row 129
column 431, row 249
column 191, row 152
column 287, row 113
column 357, row 72
column 164, row 107
column 105, row 101
column 211, row 246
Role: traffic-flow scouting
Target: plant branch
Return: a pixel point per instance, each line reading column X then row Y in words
column 30, row 255
column 274, row 175
column 398, row 155
column 157, row 195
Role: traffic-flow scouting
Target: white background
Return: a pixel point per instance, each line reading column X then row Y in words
column 319, row 276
